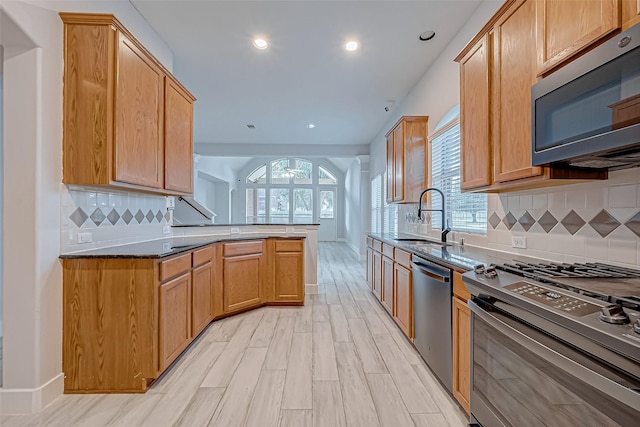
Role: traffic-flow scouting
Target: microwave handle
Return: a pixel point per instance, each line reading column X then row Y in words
column 572, row 368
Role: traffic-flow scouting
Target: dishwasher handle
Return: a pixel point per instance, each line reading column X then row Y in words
column 432, row 270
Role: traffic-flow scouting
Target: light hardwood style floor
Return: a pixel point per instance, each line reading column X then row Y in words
column 338, row 361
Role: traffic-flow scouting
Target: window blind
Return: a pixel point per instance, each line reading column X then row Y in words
column 390, row 211
column 465, row 212
column 376, row 204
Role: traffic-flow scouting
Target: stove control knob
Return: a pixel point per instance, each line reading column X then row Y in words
column 490, row 272
column 614, row 314
column 636, row 326
column 478, row 269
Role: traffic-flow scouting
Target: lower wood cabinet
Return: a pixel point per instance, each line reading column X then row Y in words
column 369, row 271
column 403, row 307
column 387, row 285
column 461, row 343
column 175, row 318
column 126, row 320
column 377, row 275
column 244, row 272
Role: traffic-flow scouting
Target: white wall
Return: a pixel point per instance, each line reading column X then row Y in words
column 1, row 192
column 32, row 275
column 353, row 227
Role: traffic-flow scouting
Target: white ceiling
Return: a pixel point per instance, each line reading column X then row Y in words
column 305, row 76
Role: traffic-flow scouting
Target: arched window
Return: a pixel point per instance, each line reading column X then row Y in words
column 290, row 190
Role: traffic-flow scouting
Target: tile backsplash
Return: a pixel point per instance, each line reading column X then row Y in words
column 110, row 218
column 591, row 221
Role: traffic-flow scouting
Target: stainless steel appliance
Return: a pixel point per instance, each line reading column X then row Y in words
column 432, row 292
column 555, row 345
column 587, row 114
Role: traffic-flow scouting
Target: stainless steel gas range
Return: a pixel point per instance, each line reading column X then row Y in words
column 554, row 344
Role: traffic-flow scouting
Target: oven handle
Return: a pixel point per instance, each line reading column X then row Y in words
column 576, row 370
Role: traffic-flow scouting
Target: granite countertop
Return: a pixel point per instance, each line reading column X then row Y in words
column 164, row 247
column 239, row 225
column 452, row 255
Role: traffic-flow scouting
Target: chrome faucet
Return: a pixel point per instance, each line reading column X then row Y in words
column 445, row 230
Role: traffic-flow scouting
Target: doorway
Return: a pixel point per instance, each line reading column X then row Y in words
column 327, row 231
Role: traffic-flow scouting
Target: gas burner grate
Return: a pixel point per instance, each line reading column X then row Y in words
column 540, row 271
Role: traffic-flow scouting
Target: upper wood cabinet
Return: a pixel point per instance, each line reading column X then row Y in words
column 407, row 159
column 630, row 13
column 565, row 28
column 127, row 121
column 475, row 137
column 497, row 70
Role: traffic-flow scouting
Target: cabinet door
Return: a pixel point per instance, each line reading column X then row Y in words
column 398, row 162
column 403, row 299
column 202, row 297
column 390, row 170
column 289, row 276
column 377, row 274
column 461, row 352
column 370, row 268
column 475, row 137
column 178, row 139
column 415, row 160
column 243, row 277
column 630, row 13
column 565, row 28
column 513, row 75
column 139, row 153
column 175, row 318
column 387, row 284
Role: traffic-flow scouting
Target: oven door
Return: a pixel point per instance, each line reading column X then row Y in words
column 523, row 377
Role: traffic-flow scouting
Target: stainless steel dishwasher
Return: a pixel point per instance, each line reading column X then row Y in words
column 432, row 292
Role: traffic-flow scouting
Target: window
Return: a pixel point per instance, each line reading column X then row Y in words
column 465, row 212
column 390, row 215
column 376, row 204
column 290, row 190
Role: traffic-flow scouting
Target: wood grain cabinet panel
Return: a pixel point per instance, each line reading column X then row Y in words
column 175, row 318
column 178, row 138
column 369, row 271
column 407, row 159
column 403, row 299
column 288, row 276
column 388, row 285
column 461, row 339
column 201, row 298
column 514, row 53
column 377, row 275
column 243, row 278
column 116, row 127
column 475, row 137
column 565, row 28
column 630, row 13
column 139, row 155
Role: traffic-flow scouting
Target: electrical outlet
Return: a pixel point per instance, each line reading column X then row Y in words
column 171, row 202
column 166, row 246
column 166, row 229
column 85, row 237
column 519, row 242
column 235, row 230
column 288, row 229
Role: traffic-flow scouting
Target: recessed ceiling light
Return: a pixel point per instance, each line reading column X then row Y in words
column 260, row 44
column 351, row 45
column 427, row 35
column 311, row 125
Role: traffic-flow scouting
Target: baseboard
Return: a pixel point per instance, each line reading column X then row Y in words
column 30, row 400
column 311, row 288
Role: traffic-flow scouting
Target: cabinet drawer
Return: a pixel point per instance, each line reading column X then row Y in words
column 174, row 266
column 403, row 258
column 203, row 255
column 387, row 250
column 377, row 245
column 288, row 245
column 242, row 248
column 369, row 242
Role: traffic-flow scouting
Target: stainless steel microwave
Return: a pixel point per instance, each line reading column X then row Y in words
column 587, row 114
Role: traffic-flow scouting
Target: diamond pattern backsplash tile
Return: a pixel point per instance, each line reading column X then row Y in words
column 573, row 222
column 86, row 216
column 604, row 223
